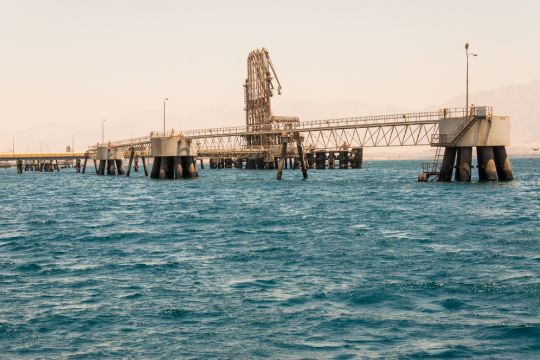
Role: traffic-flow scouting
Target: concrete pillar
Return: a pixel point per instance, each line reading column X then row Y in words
column 447, row 166
column 320, row 160
column 154, row 174
column 486, row 163
column 344, row 159
column 357, row 157
column 119, row 167
column 178, row 171
column 19, row 167
column 464, row 164
column 504, row 170
column 188, row 167
column 166, row 167
column 310, row 160
column 331, row 160
column 111, row 167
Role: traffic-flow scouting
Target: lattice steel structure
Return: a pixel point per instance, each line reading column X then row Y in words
column 258, row 91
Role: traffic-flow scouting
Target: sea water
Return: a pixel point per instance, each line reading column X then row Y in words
column 350, row 264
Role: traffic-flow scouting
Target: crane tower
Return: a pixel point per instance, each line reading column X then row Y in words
column 258, row 90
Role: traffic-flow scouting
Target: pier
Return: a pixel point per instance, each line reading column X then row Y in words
column 277, row 142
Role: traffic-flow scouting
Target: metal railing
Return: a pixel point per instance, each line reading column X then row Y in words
column 12, row 156
column 291, row 123
column 374, row 120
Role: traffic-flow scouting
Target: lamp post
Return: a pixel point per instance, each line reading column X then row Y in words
column 103, row 131
column 164, row 102
column 467, row 79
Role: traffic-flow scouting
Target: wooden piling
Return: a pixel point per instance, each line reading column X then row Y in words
column 302, row 160
column 131, row 156
column 143, row 159
column 282, row 159
column 84, row 164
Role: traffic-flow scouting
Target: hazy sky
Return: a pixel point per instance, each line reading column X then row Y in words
column 65, row 65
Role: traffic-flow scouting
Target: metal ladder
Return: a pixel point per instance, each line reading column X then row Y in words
column 462, row 128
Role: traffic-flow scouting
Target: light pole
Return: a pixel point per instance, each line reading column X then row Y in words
column 164, row 102
column 467, row 81
column 103, row 131
column 13, row 149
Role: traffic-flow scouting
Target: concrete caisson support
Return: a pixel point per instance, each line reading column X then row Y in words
column 447, row 166
column 310, row 156
column 109, row 161
column 173, row 158
column 331, row 160
column 464, row 164
column 486, row 163
column 320, row 160
column 504, row 170
column 357, row 158
column 119, row 166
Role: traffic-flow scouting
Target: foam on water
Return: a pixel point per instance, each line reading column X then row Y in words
column 350, row 264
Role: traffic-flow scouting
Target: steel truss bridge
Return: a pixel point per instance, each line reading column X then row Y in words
column 407, row 129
